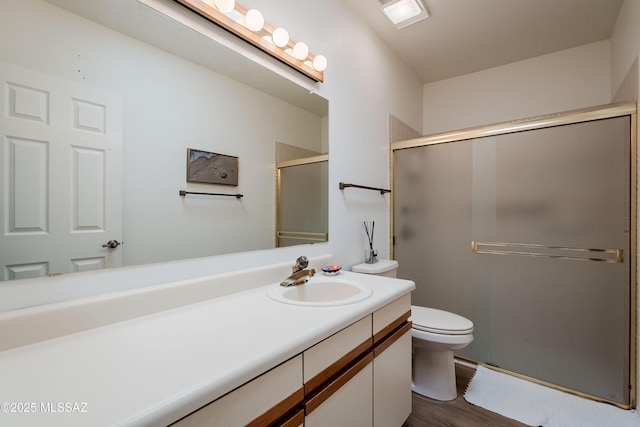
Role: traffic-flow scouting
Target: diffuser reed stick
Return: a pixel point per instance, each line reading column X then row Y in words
column 371, row 255
column 368, row 227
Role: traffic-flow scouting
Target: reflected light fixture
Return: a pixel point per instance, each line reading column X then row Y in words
column 404, row 12
column 320, row 62
column 254, row 20
column 301, row 51
column 225, row 6
column 250, row 26
column 280, row 37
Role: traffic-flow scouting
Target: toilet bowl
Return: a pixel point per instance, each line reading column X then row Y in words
column 436, row 334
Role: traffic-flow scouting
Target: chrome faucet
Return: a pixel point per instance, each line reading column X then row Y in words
column 299, row 274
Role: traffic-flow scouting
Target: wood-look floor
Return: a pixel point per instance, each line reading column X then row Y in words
column 456, row 413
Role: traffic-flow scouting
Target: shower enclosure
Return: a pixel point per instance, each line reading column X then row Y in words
column 529, row 230
column 302, row 201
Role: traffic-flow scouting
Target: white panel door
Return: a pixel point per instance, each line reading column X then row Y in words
column 61, row 179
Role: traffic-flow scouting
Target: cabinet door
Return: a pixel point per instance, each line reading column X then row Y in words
column 392, row 380
column 392, row 363
column 347, row 402
column 260, row 402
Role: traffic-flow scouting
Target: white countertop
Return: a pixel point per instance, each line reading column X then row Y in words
column 153, row 370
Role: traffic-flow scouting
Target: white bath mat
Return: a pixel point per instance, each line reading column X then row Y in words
column 537, row 405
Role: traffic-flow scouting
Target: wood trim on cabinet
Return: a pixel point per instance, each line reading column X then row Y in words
column 315, row 401
column 279, row 410
column 386, row 343
column 326, row 375
column 295, row 421
column 391, row 327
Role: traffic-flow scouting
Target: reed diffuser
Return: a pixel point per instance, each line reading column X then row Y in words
column 370, row 255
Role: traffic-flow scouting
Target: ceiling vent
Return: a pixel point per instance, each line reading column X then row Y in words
column 404, row 12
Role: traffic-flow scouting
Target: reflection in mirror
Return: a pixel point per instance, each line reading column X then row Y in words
column 153, row 100
column 302, row 201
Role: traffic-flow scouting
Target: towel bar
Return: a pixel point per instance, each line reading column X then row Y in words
column 184, row 193
column 381, row 190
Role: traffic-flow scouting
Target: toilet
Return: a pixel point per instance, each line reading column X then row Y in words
column 436, row 334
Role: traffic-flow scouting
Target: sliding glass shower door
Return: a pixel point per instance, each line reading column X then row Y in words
column 302, row 202
column 528, row 234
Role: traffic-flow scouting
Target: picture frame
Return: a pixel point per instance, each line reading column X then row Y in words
column 211, row 168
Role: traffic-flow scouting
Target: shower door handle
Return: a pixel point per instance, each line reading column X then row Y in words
column 546, row 251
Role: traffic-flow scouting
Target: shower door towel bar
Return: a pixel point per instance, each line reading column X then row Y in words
column 544, row 251
column 381, row 190
column 237, row 196
column 303, row 235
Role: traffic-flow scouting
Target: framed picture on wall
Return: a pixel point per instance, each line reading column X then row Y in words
column 211, row 168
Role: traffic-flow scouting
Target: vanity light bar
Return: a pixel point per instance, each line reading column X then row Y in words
column 249, row 25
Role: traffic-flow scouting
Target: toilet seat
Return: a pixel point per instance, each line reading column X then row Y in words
column 439, row 321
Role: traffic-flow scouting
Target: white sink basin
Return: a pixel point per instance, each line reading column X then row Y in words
column 321, row 292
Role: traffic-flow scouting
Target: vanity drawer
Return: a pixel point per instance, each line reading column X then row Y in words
column 327, row 358
column 260, row 402
column 390, row 317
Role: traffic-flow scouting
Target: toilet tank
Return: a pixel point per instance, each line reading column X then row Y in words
column 384, row 267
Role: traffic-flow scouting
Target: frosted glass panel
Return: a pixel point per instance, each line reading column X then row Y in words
column 564, row 321
column 302, row 205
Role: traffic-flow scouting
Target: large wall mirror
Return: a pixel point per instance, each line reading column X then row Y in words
column 154, row 87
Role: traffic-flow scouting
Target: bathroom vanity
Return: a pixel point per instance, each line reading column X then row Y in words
column 239, row 358
column 331, row 383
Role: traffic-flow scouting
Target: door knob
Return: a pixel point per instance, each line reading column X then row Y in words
column 111, row 244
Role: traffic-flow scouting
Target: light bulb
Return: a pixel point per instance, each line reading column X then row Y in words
column 300, row 50
column 320, row 63
column 225, row 6
column 280, row 37
column 254, row 20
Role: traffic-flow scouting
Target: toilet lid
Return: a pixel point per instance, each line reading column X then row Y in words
column 382, row 266
column 439, row 321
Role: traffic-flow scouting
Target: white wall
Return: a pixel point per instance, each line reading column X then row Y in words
column 625, row 42
column 561, row 81
column 364, row 83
